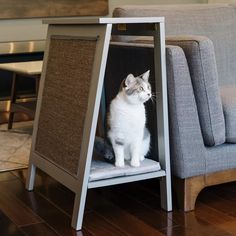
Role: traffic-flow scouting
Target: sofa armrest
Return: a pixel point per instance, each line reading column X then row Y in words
column 200, row 55
column 187, row 147
column 199, row 51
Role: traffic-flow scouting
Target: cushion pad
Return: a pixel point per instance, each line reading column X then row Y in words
column 103, row 170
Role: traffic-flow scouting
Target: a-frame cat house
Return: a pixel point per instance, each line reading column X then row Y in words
column 69, row 101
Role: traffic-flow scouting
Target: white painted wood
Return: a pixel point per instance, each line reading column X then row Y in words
column 127, row 179
column 54, row 171
column 101, row 29
column 105, row 20
column 32, row 160
column 31, row 176
column 91, row 123
column 162, row 115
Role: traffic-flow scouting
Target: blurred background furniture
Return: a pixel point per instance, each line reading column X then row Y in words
column 201, row 71
column 11, row 52
column 30, row 70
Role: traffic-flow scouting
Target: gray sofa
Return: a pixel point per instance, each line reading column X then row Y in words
column 201, row 73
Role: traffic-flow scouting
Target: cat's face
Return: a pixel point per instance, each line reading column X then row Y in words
column 137, row 89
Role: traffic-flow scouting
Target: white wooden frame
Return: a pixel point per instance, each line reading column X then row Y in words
column 103, row 28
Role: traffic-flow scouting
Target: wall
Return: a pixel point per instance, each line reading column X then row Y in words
column 33, row 29
column 18, row 30
column 114, row 3
column 221, row 1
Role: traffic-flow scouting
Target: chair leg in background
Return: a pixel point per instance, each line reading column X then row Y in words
column 12, row 100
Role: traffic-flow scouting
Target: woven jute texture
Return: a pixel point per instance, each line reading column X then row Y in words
column 65, row 101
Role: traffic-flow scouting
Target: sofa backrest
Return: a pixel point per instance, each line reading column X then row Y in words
column 215, row 21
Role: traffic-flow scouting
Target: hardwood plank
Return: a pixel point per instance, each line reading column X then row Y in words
column 63, row 198
column 129, row 209
column 215, row 217
column 53, row 192
column 48, row 188
column 225, row 191
column 98, row 226
column 119, row 217
column 219, row 203
column 46, row 210
column 152, row 185
column 189, row 223
column 158, row 219
column 7, row 227
column 181, row 230
column 142, row 190
column 6, row 176
column 45, row 230
column 15, row 209
column 38, row 229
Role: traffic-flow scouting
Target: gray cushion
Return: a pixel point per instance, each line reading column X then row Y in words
column 187, row 147
column 228, row 95
column 200, row 55
column 103, row 170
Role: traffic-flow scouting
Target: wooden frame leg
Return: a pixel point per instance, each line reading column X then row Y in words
column 37, row 86
column 31, row 177
column 166, row 194
column 12, row 100
column 78, row 210
column 187, row 191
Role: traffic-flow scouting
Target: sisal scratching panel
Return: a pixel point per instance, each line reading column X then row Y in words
column 65, row 101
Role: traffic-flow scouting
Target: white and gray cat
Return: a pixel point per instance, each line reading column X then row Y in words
column 128, row 134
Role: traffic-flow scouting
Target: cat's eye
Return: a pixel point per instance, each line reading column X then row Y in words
column 141, row 89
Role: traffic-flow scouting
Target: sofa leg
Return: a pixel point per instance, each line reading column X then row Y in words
column 187, row 191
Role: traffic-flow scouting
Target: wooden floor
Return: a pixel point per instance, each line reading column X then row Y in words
column 130, row 209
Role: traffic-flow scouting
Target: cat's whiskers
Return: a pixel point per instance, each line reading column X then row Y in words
column 153, row 98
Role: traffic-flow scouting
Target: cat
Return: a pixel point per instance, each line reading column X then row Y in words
column 127, row 132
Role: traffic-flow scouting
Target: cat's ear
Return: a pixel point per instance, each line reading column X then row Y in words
column 145, row 76
column 129, row 79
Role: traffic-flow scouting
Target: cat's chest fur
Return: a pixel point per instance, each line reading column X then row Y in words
column 125, row 119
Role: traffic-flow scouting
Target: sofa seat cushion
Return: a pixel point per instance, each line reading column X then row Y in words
column 228, row 96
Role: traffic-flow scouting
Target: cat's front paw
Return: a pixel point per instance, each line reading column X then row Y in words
column 141, row 158
column 120, row 163
column 135, row 163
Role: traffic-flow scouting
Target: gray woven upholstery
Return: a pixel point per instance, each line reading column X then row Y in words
column 215, row 21
column 190, row 156
column 184, row 124
column 200, row 55
column 228, row 95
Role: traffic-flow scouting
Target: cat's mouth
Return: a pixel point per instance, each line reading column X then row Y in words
column 145, row 99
